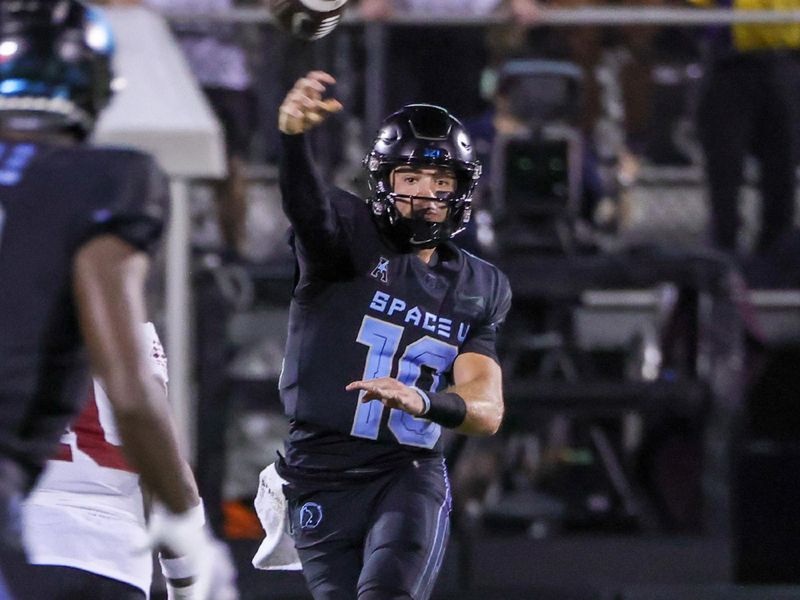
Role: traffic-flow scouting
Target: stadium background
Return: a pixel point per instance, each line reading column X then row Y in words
column 650, row 445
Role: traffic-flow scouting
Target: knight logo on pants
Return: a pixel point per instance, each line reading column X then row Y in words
column 307, row 19
column 310, row 515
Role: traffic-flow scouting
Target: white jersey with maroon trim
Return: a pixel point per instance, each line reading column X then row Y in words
column 87, row 510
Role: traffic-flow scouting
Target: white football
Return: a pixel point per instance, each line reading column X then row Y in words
column 307, row 19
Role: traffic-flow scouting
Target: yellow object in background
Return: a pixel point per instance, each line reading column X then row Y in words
column 761, row 36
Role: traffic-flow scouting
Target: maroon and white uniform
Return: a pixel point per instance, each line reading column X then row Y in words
column 87, row 510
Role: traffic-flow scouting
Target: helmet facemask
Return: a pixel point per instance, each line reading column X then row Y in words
column 416, row 228
column 422, row 137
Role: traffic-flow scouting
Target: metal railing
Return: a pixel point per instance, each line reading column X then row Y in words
column 375, row 32
column 592, row 15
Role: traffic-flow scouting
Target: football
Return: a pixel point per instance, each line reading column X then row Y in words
column 307, row 19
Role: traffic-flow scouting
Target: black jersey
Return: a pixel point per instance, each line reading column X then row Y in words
column 362, row 309
column 52, row 201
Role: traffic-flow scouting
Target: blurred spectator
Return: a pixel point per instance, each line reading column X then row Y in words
column 446, row 69
column 282, row 59
column 84, row 523
column 751, row 103
column 219, row 62
column 578, row 44
column 220, row 65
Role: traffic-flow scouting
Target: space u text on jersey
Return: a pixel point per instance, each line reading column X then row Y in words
column 443, row 327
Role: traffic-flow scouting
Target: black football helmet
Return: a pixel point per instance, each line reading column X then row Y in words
column 55, row 65
column 420, row 136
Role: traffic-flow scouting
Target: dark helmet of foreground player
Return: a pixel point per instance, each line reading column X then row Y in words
column 422, row 136
column 55, row 65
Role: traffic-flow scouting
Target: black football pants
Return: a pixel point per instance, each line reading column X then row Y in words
column 383, row 539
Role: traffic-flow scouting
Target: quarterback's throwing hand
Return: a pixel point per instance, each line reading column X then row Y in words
column 391, row 392
column 303, row 108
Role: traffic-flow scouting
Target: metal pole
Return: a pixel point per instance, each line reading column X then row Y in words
column 178, row 315
column 591, row 15
column 374, row 78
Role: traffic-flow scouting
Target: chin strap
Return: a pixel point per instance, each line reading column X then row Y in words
column 419, row 233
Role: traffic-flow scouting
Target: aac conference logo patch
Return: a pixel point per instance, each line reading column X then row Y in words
column 381, row 271
column 310, row 515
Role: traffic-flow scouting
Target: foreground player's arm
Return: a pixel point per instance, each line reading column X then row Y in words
column 473, row 405
column 108, row 281
column 109, row 277
column 304, row 200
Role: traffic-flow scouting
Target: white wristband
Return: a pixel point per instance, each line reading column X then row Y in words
column 426, row 401
column 180, row 567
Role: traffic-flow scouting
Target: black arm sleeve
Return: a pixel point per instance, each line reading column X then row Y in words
column 308, row 205
column 131, row 201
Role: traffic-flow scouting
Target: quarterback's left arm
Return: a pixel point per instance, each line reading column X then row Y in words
column 477, row 376
column 479, row 381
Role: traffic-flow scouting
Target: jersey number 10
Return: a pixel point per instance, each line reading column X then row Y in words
column 383, row 341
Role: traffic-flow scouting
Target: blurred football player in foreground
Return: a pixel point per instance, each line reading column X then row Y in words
column 88, row 510
column 392, row 334
column 76, row 226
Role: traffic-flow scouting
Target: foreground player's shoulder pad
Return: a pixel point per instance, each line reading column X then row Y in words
column 132, row 199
